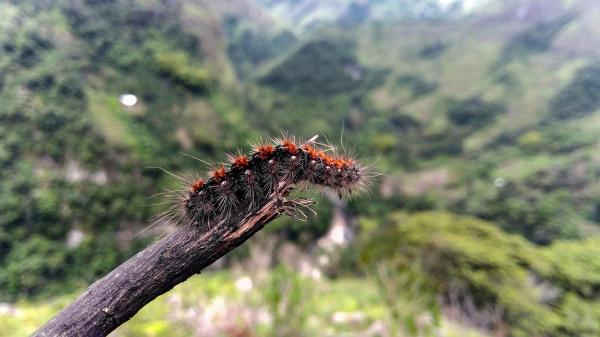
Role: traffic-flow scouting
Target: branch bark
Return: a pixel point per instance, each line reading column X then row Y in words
column 114, row 299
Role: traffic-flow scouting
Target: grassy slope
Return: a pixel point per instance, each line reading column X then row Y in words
column 489, row 55
column 209, row 301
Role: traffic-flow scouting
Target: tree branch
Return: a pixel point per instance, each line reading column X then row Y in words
column 114, row 299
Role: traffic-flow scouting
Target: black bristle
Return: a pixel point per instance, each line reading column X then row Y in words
column 250, row 186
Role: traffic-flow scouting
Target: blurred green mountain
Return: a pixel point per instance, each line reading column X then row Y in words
column 491, row 115
column 76, row 163
column 483, row 108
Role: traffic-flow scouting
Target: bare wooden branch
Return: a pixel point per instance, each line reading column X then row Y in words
column 114, row 299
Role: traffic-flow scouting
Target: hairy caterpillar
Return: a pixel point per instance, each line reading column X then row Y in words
column 246, row 182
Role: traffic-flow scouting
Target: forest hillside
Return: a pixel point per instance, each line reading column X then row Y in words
column 481, row 116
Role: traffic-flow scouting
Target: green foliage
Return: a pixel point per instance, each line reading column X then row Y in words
column 112, row 29
column 71, row 156
column 575, row 269
column 456, row 251
column 561, row 138
column 531, row 141
column 473, row 112
column 433, row 50
column 541, row 290
column 535, row 39
column 384, row 142
column 248, row 48
column 64, row 64
column 322, row 68
column 94, row 257
column 29, row 51
column 447, row 142
column 538, row 215
column 418, row 86
column 179, row 66
column 286, row 296
column 575, row 266
column 580, row 317
column 35, row 224
column 408, row 296
column 30, row 264
column 556, row 138
column 581, row 96
column 215, row 298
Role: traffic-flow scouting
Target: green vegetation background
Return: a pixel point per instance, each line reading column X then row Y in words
column 485, row 127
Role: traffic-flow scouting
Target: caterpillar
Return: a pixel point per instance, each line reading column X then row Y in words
column 246, row 182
